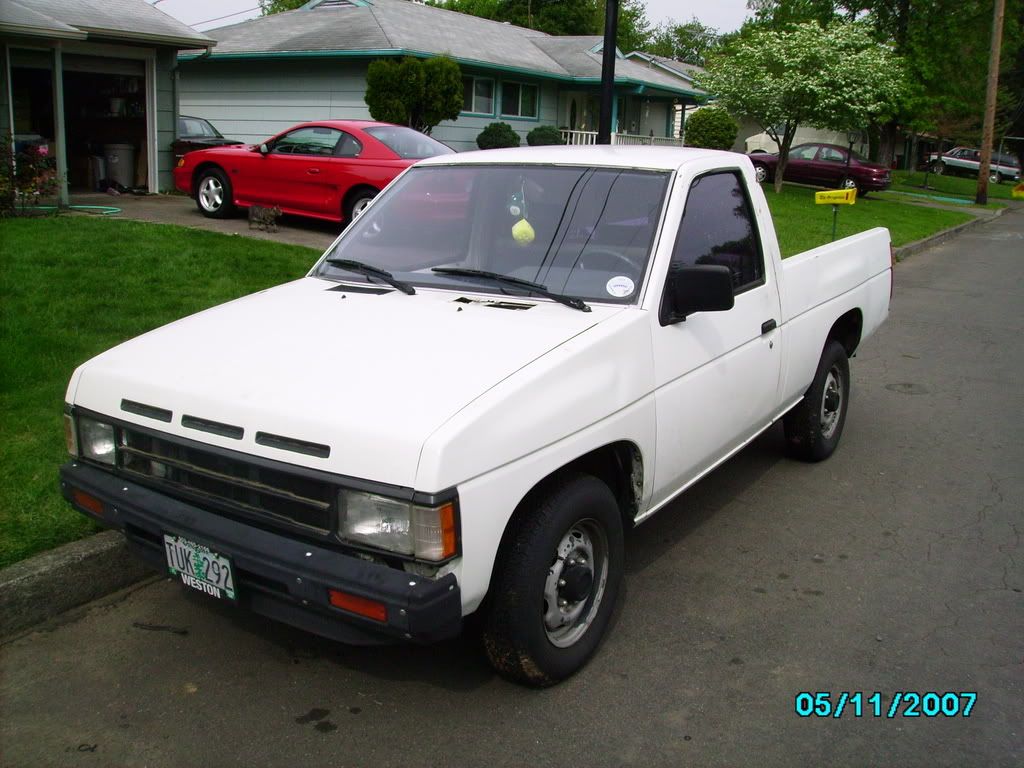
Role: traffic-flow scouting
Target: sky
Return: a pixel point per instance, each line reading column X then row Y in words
column 724, row 15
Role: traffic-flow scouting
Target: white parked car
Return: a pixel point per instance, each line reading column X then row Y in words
column 510, row 357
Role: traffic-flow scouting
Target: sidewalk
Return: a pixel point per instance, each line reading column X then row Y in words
column 181, row 210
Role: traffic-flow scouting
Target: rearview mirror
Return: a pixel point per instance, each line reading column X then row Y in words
column 701, row 288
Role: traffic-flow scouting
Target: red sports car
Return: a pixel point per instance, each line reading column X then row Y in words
column 825, row 165
column 328, row 169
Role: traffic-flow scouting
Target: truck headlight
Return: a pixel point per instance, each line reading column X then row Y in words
column 427, row 533
column 96, row 440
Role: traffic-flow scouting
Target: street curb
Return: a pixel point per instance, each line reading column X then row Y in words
column 919, row 245
column 50, row 583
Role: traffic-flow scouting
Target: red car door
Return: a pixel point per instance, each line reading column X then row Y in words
column 830, row 166
column 800, row 166
column 297, row 173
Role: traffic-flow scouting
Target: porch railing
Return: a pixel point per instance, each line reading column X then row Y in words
column 590, row 137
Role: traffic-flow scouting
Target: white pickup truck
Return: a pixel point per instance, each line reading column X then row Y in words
column 506, row 360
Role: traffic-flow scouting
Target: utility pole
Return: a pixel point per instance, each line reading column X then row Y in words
column 999, row 8
column 611, row 28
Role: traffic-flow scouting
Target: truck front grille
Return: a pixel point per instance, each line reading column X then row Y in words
column 253, row 489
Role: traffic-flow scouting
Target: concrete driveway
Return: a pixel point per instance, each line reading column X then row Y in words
column 181, row 210
column 896, row 566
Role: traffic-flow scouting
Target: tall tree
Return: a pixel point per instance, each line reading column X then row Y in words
column 690, row 42
column 836, row 77
column 267, row 7
column 780, row 14
column 556, row 17
column 634, row 32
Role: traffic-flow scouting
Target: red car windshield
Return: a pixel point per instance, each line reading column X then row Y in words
column 407, row 143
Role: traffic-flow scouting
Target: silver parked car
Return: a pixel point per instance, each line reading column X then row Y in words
column 966, row 161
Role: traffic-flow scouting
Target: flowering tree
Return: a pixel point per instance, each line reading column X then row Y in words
column 836, row 77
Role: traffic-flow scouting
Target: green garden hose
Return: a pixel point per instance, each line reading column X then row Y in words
column 103, row 210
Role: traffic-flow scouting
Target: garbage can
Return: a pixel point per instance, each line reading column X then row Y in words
column 120, row 163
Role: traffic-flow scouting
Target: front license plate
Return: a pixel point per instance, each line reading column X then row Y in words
column 199, row 567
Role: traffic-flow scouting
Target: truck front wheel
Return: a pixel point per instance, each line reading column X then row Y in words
column 815, row 424
column 555, row 583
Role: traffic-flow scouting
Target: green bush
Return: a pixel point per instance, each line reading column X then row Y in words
column 26, row 178
column 497, row 136
column 711, row 128
column 543, row 136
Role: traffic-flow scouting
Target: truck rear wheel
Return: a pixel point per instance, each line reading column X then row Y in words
column 555, row 583
column 814, row 426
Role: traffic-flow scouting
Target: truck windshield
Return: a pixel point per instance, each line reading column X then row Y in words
column 579, row 231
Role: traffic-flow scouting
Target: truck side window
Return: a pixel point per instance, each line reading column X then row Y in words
column 718, row 228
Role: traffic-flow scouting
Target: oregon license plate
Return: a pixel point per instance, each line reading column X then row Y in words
column 199, row 567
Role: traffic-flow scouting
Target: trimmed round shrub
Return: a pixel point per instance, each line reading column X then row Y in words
column 497, row 136
column 711, row 128
column 543, row 136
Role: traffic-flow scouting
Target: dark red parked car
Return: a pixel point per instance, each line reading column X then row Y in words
column 824, row 165
column 327, row 170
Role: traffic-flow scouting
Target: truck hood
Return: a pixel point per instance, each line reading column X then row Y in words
column 368, row 376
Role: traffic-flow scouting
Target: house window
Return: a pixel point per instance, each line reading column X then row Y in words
column 518, row 100
column 478, row 95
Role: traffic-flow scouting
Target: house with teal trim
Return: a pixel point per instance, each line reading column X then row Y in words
column 266, row 74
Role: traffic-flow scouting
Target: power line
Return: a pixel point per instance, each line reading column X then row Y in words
column 219, row 18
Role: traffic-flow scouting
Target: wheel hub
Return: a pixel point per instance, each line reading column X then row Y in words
column 831, row 401
column 575, row 583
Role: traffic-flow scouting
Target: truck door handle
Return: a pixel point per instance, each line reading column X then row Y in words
column 313, row 170
column 768, row 326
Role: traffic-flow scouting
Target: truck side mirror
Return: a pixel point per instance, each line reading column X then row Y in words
column 700, row 288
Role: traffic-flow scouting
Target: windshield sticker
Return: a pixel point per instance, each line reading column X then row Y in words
column 620, row 287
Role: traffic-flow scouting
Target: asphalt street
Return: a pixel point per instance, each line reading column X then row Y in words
column 896, row 566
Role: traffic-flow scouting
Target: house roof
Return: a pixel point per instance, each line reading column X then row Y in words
column 334, row 28
column 133, row 20
column 673, row 66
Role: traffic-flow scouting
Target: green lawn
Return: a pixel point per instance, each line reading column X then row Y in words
column 954, row 186
column 71, row 287
column 802, row 225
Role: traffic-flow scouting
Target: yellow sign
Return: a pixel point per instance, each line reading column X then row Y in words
column 1018, row 192
column 836, row 197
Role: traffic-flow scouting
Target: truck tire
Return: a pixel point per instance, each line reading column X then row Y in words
column 938, row 168
column 813, row 427
column 555, row 583
column 213, row 194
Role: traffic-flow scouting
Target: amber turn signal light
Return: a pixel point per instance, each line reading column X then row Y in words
column 87, row 501
column 361, row 606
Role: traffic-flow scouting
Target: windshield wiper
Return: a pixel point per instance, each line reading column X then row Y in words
column 371, row 271
column 540, row 290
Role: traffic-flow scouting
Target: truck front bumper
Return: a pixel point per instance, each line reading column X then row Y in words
column 275, row 576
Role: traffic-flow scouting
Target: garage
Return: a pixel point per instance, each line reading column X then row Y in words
column 95, row 86
column 105, row 114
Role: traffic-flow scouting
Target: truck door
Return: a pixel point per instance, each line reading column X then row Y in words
column 716, row 373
